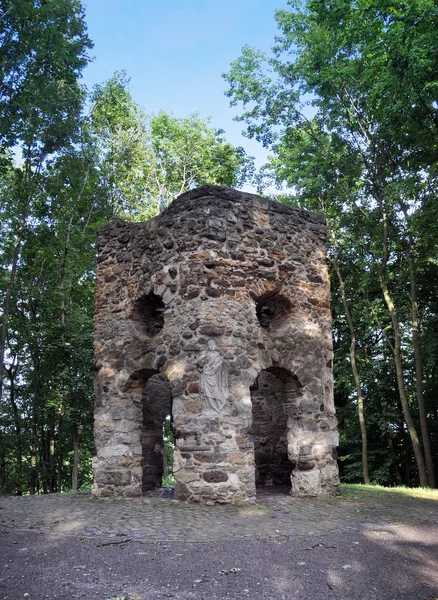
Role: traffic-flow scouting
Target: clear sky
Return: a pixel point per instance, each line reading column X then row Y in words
column 175, row 52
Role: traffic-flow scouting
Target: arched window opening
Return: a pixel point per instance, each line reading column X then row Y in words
column 272, row 309
column 151, row 393
column 272, row 394
column 157, row 406
column 149, row 314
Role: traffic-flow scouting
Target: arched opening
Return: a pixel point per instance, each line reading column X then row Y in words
column 152, row 390
column 272, row 309
column 157, row 406
column 273, row 396
column 149, row 314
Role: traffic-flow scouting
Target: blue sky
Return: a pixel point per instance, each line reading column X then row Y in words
column 175, row 52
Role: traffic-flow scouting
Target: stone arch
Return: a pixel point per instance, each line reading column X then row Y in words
column 274, row 398
column 151, row 392
column 148, row 314
column 272, row 309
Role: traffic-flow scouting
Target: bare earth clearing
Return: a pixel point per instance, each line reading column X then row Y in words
column 367, row 545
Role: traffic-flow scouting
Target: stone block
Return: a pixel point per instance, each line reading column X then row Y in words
column 116, row 451
column 110, row 477
column 306, row 483
column 215, row 476
column 127, row 426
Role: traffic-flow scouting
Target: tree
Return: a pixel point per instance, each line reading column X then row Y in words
column 146, row 161
column 43, row 51
column 187, row 153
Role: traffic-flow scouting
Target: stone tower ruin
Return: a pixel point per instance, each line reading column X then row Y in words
column 217, row 312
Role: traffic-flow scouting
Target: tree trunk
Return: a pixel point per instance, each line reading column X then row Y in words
column 10, row 288
column 419, row 372
column 63, row 343
column 33, row 460
column 360, row 409
column 398, row 478
column 60, row 457
column 396, row 348
column 35, row 412
column 44, row 461
column 52, row 467
column 400, row 382
column 2, row 463
column 17, row 423
column 74, row 477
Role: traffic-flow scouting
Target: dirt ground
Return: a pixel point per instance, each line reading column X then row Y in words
column 72, row 547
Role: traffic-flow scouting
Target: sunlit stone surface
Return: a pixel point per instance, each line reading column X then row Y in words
column 254, row 407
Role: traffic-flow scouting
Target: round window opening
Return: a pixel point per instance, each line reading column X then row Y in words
column 149, row 314
column 272, row 309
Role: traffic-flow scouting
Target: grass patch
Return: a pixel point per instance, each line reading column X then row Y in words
column 358, row 491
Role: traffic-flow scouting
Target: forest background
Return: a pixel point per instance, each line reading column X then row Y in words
column 346, row 105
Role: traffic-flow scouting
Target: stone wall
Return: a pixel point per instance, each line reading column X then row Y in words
column 222, row 291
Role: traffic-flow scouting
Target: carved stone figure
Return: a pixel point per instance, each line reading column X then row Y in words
column 214, row 380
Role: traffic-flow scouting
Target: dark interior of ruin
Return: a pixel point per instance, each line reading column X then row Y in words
column 157, row 405
column 149, row 314
column 272, row 397
column 272, row 309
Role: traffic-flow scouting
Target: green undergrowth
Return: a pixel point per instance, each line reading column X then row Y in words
column 357, row 491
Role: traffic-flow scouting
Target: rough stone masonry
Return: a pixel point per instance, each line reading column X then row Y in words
column 217, row 311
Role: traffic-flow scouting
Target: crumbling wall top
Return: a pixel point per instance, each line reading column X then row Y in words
column 207, row 192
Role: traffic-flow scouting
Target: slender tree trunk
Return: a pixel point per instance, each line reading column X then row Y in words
column 396, row 347
column 44, row 461
column 74, row 477
column 354, row 369
column 52, row 467
column 400, row 382
column 29, row 176
column 10, row 288
column 35, row 412
column 60, row 451
column 398, row 478
column 17, row 423
column 419, row 371
column 33, row 458
column 379, row 187
column 64, row 340
column 2, row 462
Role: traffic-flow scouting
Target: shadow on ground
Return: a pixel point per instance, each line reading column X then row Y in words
column 282, row 548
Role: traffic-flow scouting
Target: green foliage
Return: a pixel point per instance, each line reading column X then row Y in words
column 146, row 161
column 187, row 153
column 168, row 450
column 43, row 51
column 45, row 379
